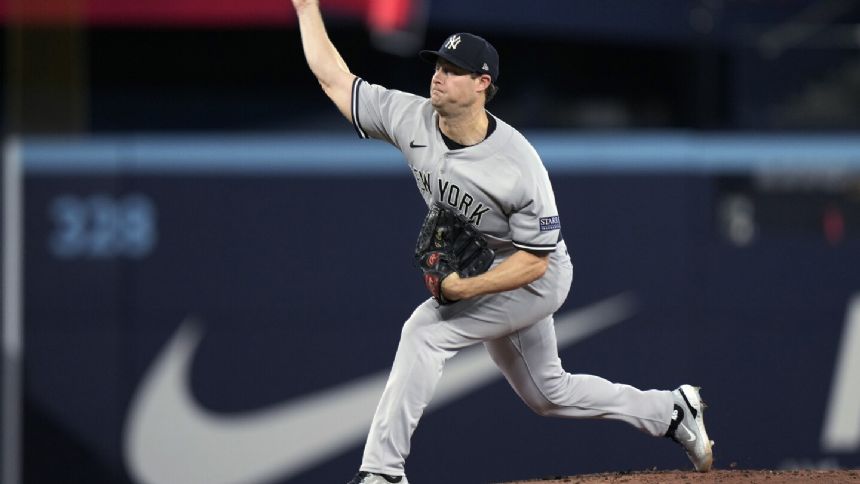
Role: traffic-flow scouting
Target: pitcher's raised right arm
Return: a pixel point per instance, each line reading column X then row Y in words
column 323, row 58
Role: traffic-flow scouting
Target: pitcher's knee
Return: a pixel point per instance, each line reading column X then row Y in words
column 421, row 333
column 548, row 395
column 543, row 409
column 539, row 402
column 416, row 328
column 422, row 317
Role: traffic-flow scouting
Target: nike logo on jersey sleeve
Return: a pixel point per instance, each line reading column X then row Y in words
column 413, row 145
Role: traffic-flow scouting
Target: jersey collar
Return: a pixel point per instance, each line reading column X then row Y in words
column 453, row 145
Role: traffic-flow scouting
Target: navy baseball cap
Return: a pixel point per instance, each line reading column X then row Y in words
column 467, row 51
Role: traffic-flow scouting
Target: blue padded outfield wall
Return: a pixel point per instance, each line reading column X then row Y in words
column 202, row 310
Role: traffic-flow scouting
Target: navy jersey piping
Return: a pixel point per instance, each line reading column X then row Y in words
column 356, row 83
column 535, row 247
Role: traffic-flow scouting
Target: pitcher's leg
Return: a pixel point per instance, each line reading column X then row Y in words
column 529, row 360
column 414, row 374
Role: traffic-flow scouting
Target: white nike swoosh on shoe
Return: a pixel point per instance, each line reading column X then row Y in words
column 690, row 433
column 169, row 438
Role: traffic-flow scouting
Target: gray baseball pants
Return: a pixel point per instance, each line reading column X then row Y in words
column 517, row 330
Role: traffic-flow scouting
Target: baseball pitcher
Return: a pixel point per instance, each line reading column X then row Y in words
column 490, row 252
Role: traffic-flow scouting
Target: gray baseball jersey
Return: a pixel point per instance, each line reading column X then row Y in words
column 500, row 184
column 503, row 187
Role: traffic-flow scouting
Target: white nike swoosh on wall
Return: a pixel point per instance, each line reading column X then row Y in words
column 170, row 438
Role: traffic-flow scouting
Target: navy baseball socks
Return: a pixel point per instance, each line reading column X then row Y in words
column 369, row 478
column 688, row 427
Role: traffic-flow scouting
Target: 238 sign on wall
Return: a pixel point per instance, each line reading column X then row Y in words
column 102, row 226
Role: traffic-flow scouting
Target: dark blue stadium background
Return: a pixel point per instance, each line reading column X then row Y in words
column 303, row 281
column 302, row 277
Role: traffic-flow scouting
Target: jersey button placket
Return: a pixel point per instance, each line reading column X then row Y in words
column 443, row 166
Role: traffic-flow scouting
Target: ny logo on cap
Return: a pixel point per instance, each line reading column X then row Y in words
column 453, row 42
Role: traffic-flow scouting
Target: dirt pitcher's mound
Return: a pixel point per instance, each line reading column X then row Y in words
column 716, row 476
